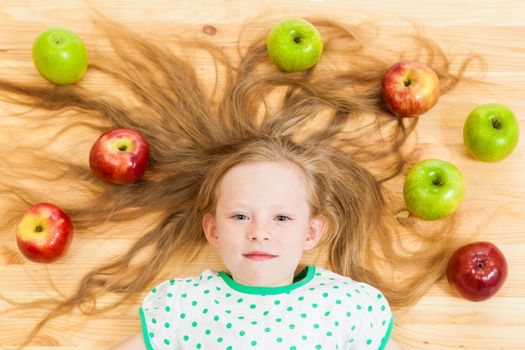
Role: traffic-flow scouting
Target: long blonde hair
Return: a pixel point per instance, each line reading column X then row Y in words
column 329, row 120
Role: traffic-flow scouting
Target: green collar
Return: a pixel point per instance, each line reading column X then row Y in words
column 301, row 279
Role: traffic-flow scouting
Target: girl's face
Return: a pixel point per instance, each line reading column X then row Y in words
column 262, row 222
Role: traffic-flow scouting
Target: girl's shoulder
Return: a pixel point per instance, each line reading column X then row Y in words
column 329, row 282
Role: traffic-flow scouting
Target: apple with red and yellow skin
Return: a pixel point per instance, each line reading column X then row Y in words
column 410, row 88
column 477, row 271
column 120, row 156
column 44, row 233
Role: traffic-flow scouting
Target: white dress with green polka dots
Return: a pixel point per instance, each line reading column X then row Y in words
column 320, row 310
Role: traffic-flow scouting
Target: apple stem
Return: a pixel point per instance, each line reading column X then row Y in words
column 407, row 82
column 297, row 39
column 437, row 182
column 122, row 148
column 39, row 228
column 480, row 265
column 496, row 124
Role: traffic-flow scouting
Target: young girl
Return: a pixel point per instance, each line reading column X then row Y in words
column 261, row 166
column 263, row 206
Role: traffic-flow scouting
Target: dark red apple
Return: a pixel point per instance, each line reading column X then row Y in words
column 410, row 88
column 120, row 156
column 477, row 271
column 44, row 233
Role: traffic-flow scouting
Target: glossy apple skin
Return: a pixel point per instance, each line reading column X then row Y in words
column 433, row 189
column 477, row 271
column 120, row 156
column 44, row 233
column 491, row 132
column 294, row 45
column 60, row 56
column 410, row 89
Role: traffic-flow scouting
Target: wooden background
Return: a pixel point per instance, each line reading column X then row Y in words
column 494, row 208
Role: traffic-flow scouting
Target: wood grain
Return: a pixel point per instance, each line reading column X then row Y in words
column 494, row 208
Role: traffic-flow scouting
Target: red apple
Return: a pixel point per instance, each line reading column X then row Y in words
column 44, row 233
column 477, row 271
column 120, row 156
column 410, row 88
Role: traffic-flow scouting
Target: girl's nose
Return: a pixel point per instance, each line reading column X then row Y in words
column 259, row 233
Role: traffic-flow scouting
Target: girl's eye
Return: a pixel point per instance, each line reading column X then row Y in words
column 240, row 217
column 282, row 218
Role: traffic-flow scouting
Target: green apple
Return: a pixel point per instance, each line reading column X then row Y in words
column 60, row 56
column 294, row 45
column 433, row 189
column 491, row 132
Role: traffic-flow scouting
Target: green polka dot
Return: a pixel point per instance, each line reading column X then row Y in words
column 184, row 295
column 241, row 317
column 215, row 318
column 383, row 308
column 278, row 319
column 314, row 305
column 267, row 329
column 167, row 325
column 303, row 315
column 208, row 332
column 277, row 302
column 253, row 306
column 227, row 295
column 370, row 308
column 228, row 311
column 194, row 303
column 154, row 290
column 353, row 328
column 170, row 295
column 325, row 295
column 219, row 340
column 166, row 341
column 172, row 281
column 336, row 323
column 266, row 313
column 329, row 334
column 369, row 341
column 182, row 315
column 292, row 326
column 293, row 347
column 154, row 321
column 349, row 295
column 151, row 335
column 327, row 313
column 186, row 338
column 384, row 322
column 228, row 325
column 316, row 325
column 318, row 346
column 348, row 314
column 379, row 296
column 194, row 324
column 304, row 337
column 289, row 308
column 239, row 300
column 279, row 340
column 335, row 287
column 253, row 343
column 207, row 291
column 205, row 311
column 300, row 298
column 229, row 347
column 242, row 333
column 318, row 274
column 198, row 346
column 359, row 307
column 168, row 309
column 338, row 302
column 254, row 322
